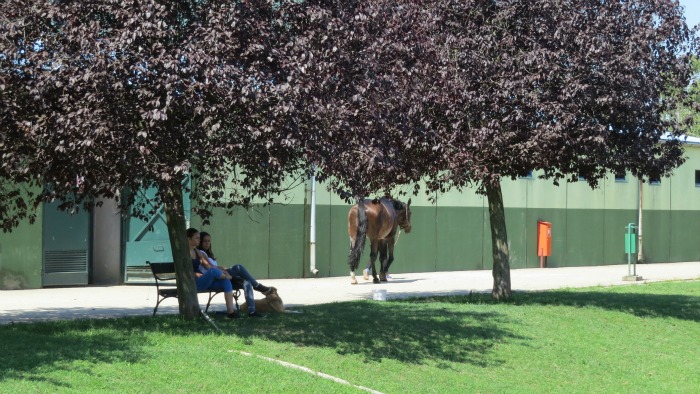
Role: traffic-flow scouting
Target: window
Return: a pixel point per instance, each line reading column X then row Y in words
column 697, row 177
column 528, row 175
column 655, row 180
column 620, row 177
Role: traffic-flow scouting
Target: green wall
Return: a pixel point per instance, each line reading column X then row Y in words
column 452, row 231
column 21, row 256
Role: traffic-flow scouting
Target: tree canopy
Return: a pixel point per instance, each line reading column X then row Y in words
column 688, row 112
column 466, row 93
column 570, row 88
column 103, row 97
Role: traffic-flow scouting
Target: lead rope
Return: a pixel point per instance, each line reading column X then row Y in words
column 207, row 318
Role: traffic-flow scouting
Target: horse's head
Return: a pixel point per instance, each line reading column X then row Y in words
column 403, row 213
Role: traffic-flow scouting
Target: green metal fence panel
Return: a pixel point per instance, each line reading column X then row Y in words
column 287, row 241
column 324, row 229
column 459, row 238
column 613, row 248
column 487, row 263
column 516, row 225
column 21, row 256
column 543, row 194
column 656, row 236
column 339, row 241
column 685, row 236
column 584, row 237
column 455, row 233
column 242, row 238
column 585, row 224
column 416, row 251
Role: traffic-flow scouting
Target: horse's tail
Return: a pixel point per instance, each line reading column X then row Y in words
column 358, row 246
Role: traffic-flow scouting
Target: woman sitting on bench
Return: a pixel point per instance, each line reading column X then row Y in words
column 213, row 278
column 237, row 271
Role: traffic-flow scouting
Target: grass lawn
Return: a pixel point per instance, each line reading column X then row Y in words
column 635, row 339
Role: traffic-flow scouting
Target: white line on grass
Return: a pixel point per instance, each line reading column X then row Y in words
column 308, row 370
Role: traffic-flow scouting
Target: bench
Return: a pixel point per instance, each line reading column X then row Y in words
column 164, row 275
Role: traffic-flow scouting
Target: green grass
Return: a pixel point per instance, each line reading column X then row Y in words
column 634, row 339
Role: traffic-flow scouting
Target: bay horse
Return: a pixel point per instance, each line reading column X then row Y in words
column 379, row 220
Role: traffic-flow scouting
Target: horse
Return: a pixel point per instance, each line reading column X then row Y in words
column 379, row 220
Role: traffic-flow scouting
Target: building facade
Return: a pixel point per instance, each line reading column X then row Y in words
column 450, row 232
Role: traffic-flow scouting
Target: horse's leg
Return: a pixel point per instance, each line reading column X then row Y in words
column 373, row 259
column 353, row 280
column 390, row 248
column 383, row 261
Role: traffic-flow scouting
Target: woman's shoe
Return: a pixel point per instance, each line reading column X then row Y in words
column 264, row 289
column 234, row 315
column 255, row 314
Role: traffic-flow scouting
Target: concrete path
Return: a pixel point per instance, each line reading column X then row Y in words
column 135, row 300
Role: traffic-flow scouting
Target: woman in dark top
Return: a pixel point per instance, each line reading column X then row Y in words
column 212, row 277
column 237, row 271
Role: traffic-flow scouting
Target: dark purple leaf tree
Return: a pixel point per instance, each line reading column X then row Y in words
column 466, row 93
column 99, row 98
column 569, row 88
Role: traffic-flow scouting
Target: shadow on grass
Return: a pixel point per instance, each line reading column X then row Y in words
column 390, row 330
column 28, row 348
column 412, row 331
column 409, row 333
column 634, row 300
column 643, row 305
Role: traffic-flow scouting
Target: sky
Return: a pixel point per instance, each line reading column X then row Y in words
column 692, row 11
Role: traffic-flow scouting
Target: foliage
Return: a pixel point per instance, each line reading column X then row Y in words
column 355, row 65
column 464, row 93
column 565, row 341
column 572, row 88
column 102, row 97
column 688, row 112
column 105, row 97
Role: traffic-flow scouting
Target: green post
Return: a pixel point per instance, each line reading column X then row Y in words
column 631, row 249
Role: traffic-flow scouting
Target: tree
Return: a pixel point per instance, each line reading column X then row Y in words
column 102, row 97
column 571, row 88
column 470, row 92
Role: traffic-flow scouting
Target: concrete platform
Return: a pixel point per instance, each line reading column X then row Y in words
column 138, row 300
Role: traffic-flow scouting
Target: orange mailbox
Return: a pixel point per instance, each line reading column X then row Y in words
column 544, row 241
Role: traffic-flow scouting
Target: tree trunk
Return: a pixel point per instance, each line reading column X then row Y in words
column 186, row 289
column 499, row 241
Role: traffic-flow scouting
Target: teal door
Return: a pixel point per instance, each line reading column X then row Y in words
column 147, row 239
column 65, row 246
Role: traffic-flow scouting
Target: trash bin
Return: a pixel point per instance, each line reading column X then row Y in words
column 631, row 239
column 544, row 241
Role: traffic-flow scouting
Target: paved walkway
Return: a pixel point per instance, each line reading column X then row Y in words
column 134, row 300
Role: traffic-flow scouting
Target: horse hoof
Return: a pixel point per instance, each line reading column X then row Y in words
column 353, row 282
column 375, row 280
column 365, row 275
column 384, row 280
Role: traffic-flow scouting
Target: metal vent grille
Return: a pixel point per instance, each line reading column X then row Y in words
column 65, row 261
